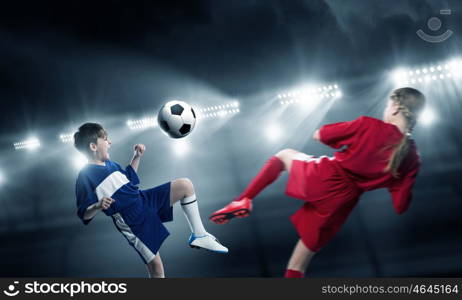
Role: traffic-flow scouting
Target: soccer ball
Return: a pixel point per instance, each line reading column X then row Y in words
column 176, row 118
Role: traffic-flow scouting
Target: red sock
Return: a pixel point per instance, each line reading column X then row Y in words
column 293, row 274
column 267, row 175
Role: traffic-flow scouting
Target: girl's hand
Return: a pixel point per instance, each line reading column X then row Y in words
column 139, row 149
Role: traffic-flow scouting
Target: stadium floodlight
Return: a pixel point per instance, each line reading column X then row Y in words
column 221, row 113
column 223, row 106
column 449, row 70
column 144, row 123
column 79, row 161
column 305, row 95
column 66, row 138
column 29, row 144
column 273, row 132
column 217, row 111
column 427, row 117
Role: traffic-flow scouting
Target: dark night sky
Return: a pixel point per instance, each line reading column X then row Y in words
column 51, row 51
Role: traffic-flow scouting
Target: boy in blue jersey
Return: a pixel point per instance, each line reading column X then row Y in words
column 138, row 214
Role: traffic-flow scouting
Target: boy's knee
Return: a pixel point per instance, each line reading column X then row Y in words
column 185, row 184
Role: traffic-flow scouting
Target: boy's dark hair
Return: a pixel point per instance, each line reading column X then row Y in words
column 88, row 133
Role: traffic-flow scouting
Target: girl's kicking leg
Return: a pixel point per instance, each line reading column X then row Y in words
column 299, row 260
column 155, row 267
column 183, row 190
column 242, row 205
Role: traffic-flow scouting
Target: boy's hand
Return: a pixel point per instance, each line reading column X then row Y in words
column 139, row 149
column 105, row 203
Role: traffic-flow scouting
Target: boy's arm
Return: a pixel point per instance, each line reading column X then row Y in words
column 93, row 209
column 87, row 202
column 85, row 197
column 139, row 151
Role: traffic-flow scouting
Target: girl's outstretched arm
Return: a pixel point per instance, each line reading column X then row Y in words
column 401, row 191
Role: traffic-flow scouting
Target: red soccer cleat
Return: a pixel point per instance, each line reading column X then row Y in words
column 236, row 209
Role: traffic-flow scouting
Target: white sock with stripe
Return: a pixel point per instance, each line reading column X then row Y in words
column 191, row 212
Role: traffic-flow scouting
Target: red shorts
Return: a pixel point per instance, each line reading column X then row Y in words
column 329, row 194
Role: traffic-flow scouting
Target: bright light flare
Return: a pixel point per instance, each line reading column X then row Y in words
column 273, row 132
column 79, row 161
column 427, row 117
column 180, row 147
column 455, row 66
column 400, row 77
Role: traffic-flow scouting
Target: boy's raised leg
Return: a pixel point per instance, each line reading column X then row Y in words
column 183, row 190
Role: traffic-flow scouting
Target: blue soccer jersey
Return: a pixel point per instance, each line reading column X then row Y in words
column 96, row 182
column 137, row 214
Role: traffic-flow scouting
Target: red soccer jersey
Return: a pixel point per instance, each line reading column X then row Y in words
column 331, row 187
column 369, row 143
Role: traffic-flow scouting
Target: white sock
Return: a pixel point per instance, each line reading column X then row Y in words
column 191, row 212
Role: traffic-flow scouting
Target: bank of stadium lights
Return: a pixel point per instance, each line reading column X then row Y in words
column 66, row 138
column 312, row 93
column 449, row 70
column 219, row 110
column 29, row 144
column 142, row 123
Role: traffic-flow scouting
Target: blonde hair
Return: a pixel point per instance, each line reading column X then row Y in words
column 410, row 102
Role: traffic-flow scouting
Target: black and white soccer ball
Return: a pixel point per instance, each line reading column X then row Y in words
column 176, row 118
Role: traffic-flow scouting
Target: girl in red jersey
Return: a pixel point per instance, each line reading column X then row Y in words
column 378, row 154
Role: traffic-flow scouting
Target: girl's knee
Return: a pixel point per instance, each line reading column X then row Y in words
column 285, row 153
column 286, row 156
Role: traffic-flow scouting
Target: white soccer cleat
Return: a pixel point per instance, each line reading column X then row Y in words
column 207, row 242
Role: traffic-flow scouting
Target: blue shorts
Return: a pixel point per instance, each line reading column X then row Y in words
column 157, row 200
column 142, row 225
